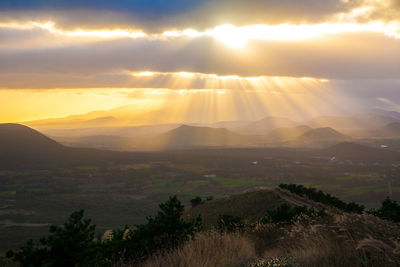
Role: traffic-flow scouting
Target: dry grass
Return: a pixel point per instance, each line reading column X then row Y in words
column 208, row 249
column 337, row 240
column 344, row 240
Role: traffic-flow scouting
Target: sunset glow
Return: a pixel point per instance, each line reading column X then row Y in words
column 230, row 35
column 102, row 60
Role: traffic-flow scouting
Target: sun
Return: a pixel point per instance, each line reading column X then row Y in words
column 229, row 35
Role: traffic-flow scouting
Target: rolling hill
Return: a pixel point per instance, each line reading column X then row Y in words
column 186, row 136
column 20, row 144
column 325, row 134
column 251, row 205
column 18, row 139
column 22, row 147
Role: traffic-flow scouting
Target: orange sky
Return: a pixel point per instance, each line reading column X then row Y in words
column 258, row 57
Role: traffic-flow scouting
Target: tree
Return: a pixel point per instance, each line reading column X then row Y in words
column 73, row 243
column 167, row 230
column 69, row 245
column 389, row 210
column 196, row 201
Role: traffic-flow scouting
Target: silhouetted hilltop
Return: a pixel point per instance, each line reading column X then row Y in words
column 22, row 147
column 17, row 138
column 190, row 136
column 322, row 134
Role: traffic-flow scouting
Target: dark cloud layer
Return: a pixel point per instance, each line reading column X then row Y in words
column 156, row 16
column 340, row 57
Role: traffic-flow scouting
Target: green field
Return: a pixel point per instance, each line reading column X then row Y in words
column 117, row 194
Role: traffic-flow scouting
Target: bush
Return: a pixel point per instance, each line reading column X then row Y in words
column 230, row 224
column 321, row 197
column 286, row 214
column 196, row 201
column 389, row 210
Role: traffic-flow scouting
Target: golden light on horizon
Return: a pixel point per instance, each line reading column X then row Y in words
column 233, row 36
column 221, row 99
column 211, row 76
column 51, row 27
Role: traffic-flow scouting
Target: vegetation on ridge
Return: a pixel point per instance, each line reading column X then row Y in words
column 288, row 235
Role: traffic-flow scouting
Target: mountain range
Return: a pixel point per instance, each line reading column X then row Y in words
column 21, row 146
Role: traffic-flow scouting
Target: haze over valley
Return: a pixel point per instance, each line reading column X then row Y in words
column 200, row 133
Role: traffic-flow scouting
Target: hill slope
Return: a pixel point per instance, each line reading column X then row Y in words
column 320, row 137
column 21, row 144
column 18, row 139
column 191, row 137
column 250, row 205
column 24, row 148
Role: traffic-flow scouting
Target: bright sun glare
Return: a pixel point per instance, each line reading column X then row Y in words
column 230, row 35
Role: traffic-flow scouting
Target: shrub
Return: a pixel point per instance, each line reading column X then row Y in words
column 228, row 223
column 327, row 199
column 196, row 201
column 286, row 214
column 389, row 210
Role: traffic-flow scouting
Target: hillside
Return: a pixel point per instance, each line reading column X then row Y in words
column 22, row 147
column 292, row 225
column 250, row 205
column 191, row 137
column 17, row 139
column 321, row 136
column 333, row 238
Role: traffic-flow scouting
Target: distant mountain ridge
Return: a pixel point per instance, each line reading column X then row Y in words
column 16, row 138
column 22, row 147
column 186, row 136
column 322, row 134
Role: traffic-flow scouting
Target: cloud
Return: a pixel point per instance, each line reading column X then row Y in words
column 345, row 56
column 157, row 16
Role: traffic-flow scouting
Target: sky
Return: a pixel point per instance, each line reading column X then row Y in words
column 218, row 60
